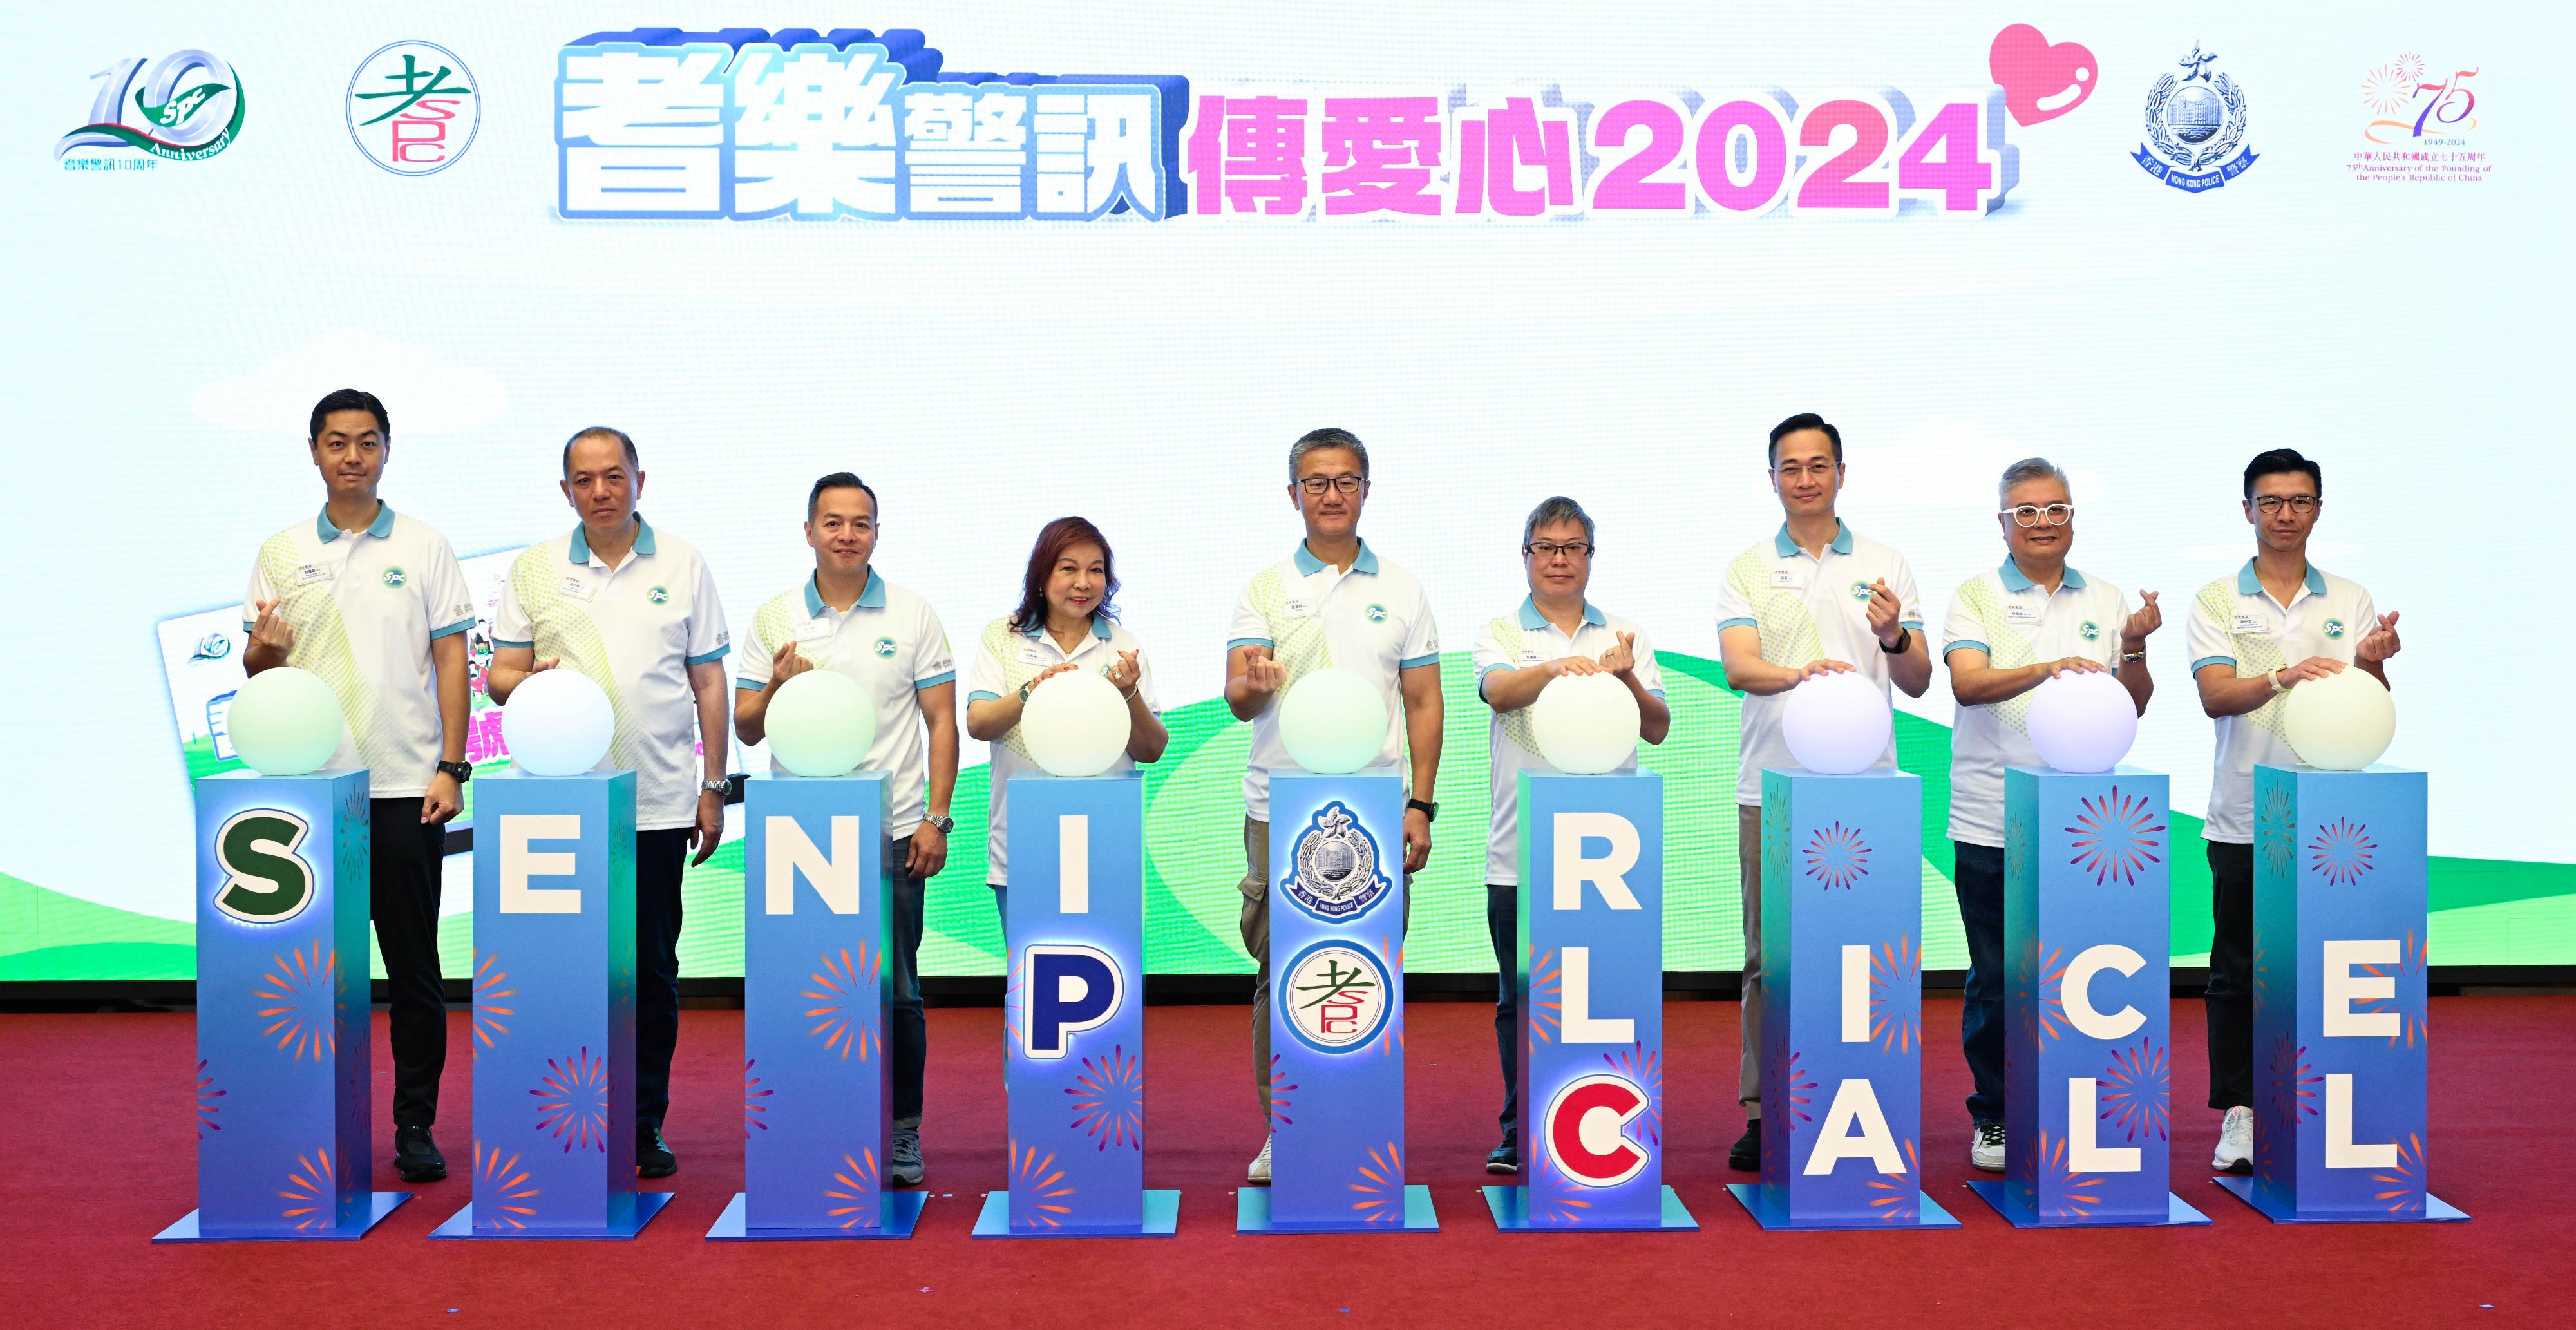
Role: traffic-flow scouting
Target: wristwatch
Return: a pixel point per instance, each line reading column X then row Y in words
column 462, row 771
column 716, row 787
column 1024, row 692
column 941, row 823
column 1430, row 810
column 1904, row 639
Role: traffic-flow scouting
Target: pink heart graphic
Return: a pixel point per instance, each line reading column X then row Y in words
column 2035, row 74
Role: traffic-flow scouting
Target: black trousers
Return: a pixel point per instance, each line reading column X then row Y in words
column 1978, row 874
column 2229, row 999
column 660, row 857
column 1503, row 925
column 405, row 862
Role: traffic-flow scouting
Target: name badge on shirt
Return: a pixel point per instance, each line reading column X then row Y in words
column 1789, row 579
column 1529, row 658
column 814, row 630
column 2247, row 623
column 1034, row 655
column 2020, row 614
column 310, row 574
column 575, row 587
column 1298, row 608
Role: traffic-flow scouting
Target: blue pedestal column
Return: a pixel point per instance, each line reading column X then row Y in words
column 2340, row 1032
column 554, row 1011
column 816, row 1112
column 284, row 1139
column 1074, row 1064
column 1842, row 1031
column 1336, row 1011
column 2088, row 1061
column 1588, row 985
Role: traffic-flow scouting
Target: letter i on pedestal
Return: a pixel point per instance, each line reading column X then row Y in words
column 1074, row 1015
column 1589, row 987
column 1336, row 1090
column 2088, row 1064
column 2340, row 1032
column 554, row 1011
column 1842, row 1025
column 816, row 1111
column 284, row 1145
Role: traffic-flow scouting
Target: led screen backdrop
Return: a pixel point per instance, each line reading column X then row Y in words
column 1521, row 250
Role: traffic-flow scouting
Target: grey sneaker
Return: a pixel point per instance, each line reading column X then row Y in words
column 903, row 1161
column 1259, row 1173
column 1986, row 1150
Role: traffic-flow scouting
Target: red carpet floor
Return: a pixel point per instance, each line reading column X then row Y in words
column 98, row 1156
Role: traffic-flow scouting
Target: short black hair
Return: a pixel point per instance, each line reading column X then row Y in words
column 1802, row 420
column 633, row 463
column 838, row 480
column 2275, row 461
column 349, row 399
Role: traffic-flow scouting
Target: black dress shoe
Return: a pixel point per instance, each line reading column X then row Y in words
column 416, row 1156
column 1745, row 1156
column 1506, row 1157
column 653, row 1158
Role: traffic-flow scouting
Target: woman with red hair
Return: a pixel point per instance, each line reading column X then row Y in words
column 1064, row 622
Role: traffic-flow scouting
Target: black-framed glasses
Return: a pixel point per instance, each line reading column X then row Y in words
column 1572, row 549
column 2028, row 514
column 1316, row 485
column 2270, row 505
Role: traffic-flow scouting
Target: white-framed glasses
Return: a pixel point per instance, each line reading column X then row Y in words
column 2055, row 514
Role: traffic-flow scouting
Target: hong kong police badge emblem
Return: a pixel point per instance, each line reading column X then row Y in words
column 1336, row 875
column 2195, row 125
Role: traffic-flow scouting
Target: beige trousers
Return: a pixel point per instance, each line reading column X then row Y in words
column 1256, row 941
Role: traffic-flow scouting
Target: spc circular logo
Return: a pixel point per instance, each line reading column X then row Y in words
column 1377, row 614
column 1336, row 875
column 394, row 577
column 884, row 646
column 1336, row 997
column 2090, row 631
column 659, row 595
column 1860, row 590
column 2334, row 628
column 413, row 108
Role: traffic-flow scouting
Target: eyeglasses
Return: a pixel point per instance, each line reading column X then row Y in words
column 1316, row 485
column 2270, row 505
column 1542, row 551
column 2030, row 515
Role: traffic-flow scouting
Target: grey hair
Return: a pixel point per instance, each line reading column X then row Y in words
column 1555, row 508
column 1327, row 437
column 2030, row 468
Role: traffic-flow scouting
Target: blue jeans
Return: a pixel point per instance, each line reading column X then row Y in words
column 1979, row 876
column 910, row 1035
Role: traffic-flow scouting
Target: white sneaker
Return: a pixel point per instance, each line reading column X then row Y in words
column 2235, row 1142
column 1260, row 1170
column 1986, row 1150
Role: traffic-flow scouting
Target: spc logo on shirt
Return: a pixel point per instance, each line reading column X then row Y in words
column 1377, row 614
column 884, row 647
column 1860, row 590
column 2090, row 631
column 2334, row 629
column 394, row 578
column 659, row 595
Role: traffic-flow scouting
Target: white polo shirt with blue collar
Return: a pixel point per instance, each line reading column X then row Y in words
column 1517, row 641
column 634, row 630
column 2016, row 622
column 2235, row 622
column 1005, row 659
column 1808, row 607
column 1373, row 620
column 364, row 607
column 892, row 643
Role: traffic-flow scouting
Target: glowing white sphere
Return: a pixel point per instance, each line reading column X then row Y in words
column 1333, row 721
column 2342, row 722
column 821, row 724
column 557, row 723
column 2082, row 722
column 1837, row 724
column 1585, row 724
column 1075, row 724
column 284, row 722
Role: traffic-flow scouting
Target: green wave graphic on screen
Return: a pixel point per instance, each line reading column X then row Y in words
column 2485, row 911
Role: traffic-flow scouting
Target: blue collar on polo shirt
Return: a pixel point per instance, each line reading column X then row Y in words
column 1099, row 629
column 1533, row 620
column 2250, row 583
column 1786, row 547
column 871, row 596
column 380, row 528
column 579, row 550
column 1308, row 565
column 2014, row 581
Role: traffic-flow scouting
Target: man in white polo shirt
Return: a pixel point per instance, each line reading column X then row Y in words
column 848, row 619
column 2011, row 630
column 1812, row 599
column 636, row 610
column 1331, row 602
column 374, row 603
column 1556, row 632
column 2276, row 623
